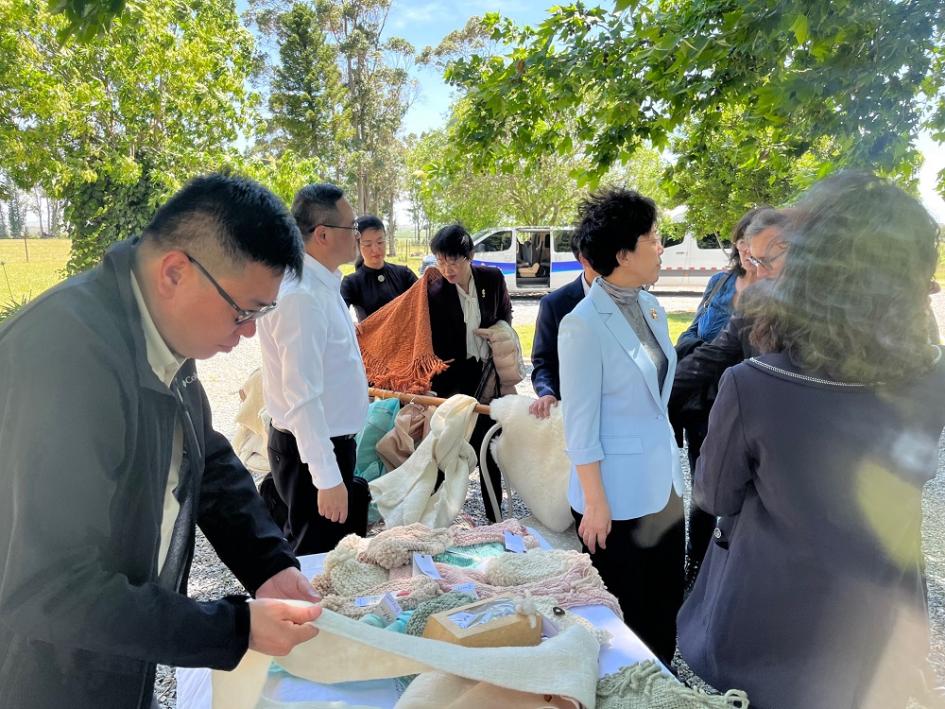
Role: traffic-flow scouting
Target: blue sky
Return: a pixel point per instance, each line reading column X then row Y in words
column 425, row 22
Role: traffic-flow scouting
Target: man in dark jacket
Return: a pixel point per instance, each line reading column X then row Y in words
column 110, row 460
column 551, row 311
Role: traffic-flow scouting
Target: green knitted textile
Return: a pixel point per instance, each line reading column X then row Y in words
column 448, row 601
column 644, row 686
column 471, row 555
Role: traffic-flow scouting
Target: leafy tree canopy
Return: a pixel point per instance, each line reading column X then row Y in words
column 115, row 123
column 772, row 85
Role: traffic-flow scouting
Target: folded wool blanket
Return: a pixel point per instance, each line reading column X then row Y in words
column 346, row 650
column 397, row 343
column 406, row 495
column 411, row 426
column 531, row 454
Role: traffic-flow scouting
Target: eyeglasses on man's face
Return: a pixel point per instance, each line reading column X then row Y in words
column 357, row 232
column 242, row 315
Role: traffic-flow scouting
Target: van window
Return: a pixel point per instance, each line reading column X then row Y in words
column 562, row 239
column 500, row 241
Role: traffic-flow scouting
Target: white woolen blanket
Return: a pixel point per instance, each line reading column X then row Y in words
column 530, row 453
column 345, row 651
column 405, row 495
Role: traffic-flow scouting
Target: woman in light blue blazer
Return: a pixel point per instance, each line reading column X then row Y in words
column 617, row 365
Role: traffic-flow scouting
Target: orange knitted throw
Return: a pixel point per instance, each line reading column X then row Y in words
column 397, row 343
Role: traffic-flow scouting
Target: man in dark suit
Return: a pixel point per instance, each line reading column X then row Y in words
column 551, row 311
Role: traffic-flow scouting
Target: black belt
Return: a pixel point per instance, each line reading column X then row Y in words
column 344, row 436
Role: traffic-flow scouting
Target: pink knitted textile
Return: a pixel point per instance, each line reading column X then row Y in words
column 580, row 585
column 464, row 536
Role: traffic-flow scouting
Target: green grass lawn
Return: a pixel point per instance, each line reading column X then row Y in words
column 21, row 278
column 677, row 323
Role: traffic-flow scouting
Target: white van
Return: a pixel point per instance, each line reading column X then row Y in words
column 540, row 257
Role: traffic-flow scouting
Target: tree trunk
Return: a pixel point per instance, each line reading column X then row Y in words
column 392, row 230
column 37, row 195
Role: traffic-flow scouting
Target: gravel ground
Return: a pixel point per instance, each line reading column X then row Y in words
column 223, row 375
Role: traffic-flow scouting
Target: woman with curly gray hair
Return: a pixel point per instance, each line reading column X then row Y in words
column 816, row 454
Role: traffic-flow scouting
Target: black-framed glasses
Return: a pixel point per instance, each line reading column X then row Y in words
column 338, row 226
column 242, row 315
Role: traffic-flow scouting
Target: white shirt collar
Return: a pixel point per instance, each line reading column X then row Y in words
column 162, row 360
column 584, row 284
column 332, row 279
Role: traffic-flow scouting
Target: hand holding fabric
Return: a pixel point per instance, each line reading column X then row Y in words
column 288, row 583
column 276, row 627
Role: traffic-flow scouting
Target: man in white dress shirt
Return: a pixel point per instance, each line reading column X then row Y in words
column 314, row 383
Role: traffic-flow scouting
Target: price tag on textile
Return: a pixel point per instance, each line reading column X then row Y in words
column 423, row 566
column 514, row 542
column 469, row 588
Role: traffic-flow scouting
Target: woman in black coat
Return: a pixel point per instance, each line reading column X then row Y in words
column 468, row 297
column 814, row 594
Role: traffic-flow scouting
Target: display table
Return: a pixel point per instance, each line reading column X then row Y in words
column 194, row 687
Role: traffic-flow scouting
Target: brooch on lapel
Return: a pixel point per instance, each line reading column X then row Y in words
column 483, row 292
column 380, row 278
column 653, row 313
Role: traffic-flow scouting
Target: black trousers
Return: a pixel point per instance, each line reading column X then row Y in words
column 642, row 566
column 307, row 531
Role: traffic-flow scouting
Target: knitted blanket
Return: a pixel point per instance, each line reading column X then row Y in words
column 405, row 495
column 397, row 344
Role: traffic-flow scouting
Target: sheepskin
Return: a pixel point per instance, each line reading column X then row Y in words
column 530, row 453
column 252, row 425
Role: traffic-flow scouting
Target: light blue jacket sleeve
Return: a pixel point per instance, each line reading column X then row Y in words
column 581, row 372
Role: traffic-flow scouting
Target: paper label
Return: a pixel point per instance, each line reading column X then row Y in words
column 423, row 566
column 469, row 588
column 365, row 601
column 514, row 542
column 389, row 607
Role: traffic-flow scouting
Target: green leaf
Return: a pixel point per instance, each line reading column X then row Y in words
column 800, row 28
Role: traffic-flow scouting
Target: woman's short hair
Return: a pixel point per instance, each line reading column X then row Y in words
column 453, row 241
column 611, row 221
column 369, row 221
column 852, row 301
column 738, row 233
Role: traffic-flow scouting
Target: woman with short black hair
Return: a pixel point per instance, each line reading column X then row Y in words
column 465, row 299
column 375, row 282
column 616, row 369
